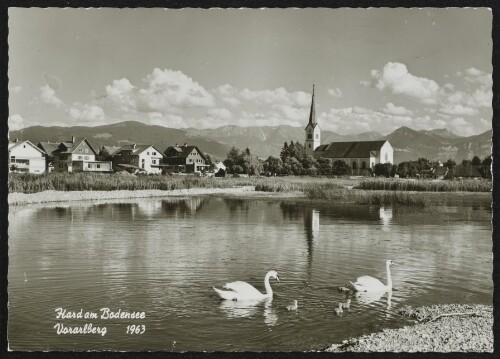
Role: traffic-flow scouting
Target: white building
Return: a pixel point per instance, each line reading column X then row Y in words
column 142, row 157
column 24, row 156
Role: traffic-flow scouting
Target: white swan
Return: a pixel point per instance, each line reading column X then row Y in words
column 244, row 291
column 370, row 284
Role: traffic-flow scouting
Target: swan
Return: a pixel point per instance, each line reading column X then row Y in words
column 370, row 284
column 244, row 291
column 339, row 310
column 347, row 304
column 293, row 306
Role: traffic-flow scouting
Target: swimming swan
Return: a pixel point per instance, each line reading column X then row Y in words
column 244, row 291
column 370, row 284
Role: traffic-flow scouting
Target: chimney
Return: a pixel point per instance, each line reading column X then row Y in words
column 185, row 144
column 16, row 140
column 73, row 139
column 176, row 145
column 134, row 145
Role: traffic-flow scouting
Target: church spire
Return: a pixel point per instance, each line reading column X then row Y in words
column 312, row 114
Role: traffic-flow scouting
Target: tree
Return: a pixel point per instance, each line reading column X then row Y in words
column 476, row 161
column 325, row 166
column 382, row 169
column 486, row 167
column 233, row 158
column 285, row 152
column 340, row 168
column 273, row 165
column 295, row 166
column 236, row 169
column 209, row 162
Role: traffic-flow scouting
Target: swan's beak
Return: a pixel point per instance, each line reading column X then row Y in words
column 278, row 278
column 394, row 263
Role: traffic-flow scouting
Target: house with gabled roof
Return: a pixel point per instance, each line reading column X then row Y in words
column 78, row 155
column 186, row 159
column 48, row 147
column 24, row 156
column 141, row 157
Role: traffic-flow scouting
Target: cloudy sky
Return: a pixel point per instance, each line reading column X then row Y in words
column 374, row 70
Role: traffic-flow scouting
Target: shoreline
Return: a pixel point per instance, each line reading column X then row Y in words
column 52, row 196
column 47, row 197
column 439, row 328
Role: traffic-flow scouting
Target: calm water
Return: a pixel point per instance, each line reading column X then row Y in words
column 163, row 256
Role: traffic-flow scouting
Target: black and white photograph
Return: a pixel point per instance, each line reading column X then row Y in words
column 250, row 180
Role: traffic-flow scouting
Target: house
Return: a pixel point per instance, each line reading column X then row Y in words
column 360, row 156
column 24, row 156
column 141, row 157
column 48, row 147
column 185, row 158
column 78, row 155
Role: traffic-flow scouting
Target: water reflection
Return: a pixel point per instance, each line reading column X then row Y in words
column 367, row 298
column 250, row 308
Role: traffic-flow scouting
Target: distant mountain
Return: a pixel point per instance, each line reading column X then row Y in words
column 409, row 144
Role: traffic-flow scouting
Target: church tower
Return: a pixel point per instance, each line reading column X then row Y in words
column 313, row 132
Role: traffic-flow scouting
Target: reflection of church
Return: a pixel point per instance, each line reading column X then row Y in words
column 359, row 155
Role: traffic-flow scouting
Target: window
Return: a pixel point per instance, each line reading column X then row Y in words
column 88, row 165
column 354, row 166
column 317, row 135
column 24, row 146
column 154, row 153
column 98, row 166
column 86, row 157
column 154, row 161
column 309, row 136
column 143, row 160
column 147, row 153
column 81, row 150
column 363, row 165
column 309, row 145
column 13, row 158
column 386, row 157
column 190, row 160
column 79, row 157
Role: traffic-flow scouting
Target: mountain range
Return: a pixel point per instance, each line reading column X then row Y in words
column 408, row 144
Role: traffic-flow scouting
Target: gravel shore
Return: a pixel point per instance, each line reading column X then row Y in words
column 440, row 328
column 16, row 199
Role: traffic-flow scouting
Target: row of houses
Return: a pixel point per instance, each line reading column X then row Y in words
column 78, row 155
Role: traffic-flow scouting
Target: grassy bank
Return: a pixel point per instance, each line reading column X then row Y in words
column 30, row 183
column 425, row 185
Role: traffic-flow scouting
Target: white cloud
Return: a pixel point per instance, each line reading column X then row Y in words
column 457, row 109
column 172, row 121
column 392, row 109
column 222, row 113
column 335, row 92
column 460, row 126
column 48, row 96
column 396, row 78
column 119, row 87
column 16, row 122
column 86, row 114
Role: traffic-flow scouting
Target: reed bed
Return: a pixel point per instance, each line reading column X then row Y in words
column 29, row 183
column 426, row 185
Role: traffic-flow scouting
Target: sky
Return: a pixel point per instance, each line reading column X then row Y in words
column 373, row 69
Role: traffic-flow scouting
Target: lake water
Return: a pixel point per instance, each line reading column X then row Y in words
column 163, row 256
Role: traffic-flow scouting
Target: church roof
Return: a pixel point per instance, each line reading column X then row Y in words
column 352, row 149
column 312, row 113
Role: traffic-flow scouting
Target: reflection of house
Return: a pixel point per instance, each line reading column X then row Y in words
column 184, row 159
column 24, row 156
column 359, row 155
column 78, row 155
column 139, row 156
column 48, row 147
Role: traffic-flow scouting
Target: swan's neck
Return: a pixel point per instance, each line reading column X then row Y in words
column 389, row 279
column 269, row 290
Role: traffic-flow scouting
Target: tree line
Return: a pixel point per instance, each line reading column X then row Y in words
column 293, row 160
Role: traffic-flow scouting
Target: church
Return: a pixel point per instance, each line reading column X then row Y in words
column 359, row 155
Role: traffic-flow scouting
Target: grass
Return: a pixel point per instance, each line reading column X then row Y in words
column 425, row 185
column 30, row 183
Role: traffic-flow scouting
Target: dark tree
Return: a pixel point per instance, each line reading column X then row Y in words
column 340, row 168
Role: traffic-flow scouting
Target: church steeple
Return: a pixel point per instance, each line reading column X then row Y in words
column 312, row 114
column 313, row 132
